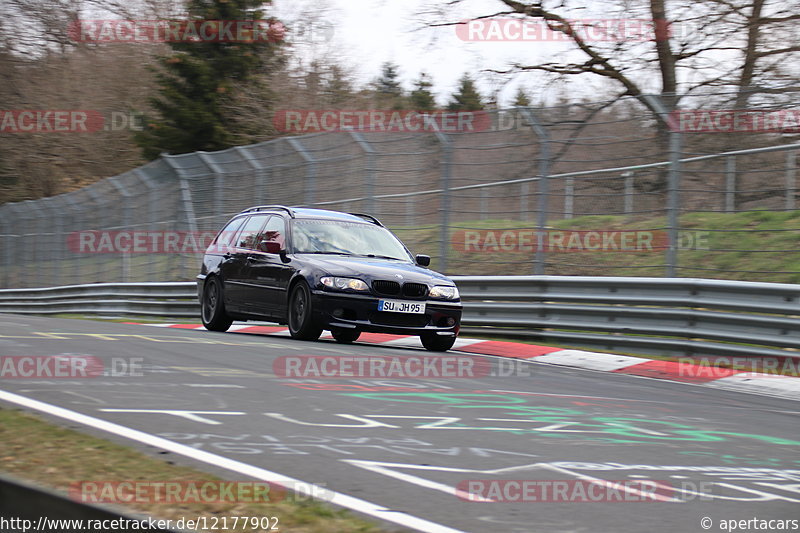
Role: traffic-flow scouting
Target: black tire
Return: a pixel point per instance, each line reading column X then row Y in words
column 212, row 308
column 437, row 343
column 301, row 316
column 345, row 336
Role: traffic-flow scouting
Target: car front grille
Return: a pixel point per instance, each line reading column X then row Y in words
column 415, row 290
column 388, row 288
column 392, row 288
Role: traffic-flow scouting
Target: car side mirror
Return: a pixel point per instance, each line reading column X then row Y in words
column 270, row 247
column 423, row 260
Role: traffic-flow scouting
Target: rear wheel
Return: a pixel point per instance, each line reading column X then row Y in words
column 345, row 336
column 301, row 316
column 437, row 343
column 213, row 308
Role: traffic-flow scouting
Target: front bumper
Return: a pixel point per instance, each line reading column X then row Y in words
column 360, row 311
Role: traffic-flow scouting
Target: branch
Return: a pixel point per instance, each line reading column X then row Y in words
column 780, row 51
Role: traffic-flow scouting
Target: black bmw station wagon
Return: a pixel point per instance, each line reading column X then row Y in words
column 317, row 270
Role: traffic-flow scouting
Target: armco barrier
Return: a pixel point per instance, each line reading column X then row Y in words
column 23, row 501
column 667, row 316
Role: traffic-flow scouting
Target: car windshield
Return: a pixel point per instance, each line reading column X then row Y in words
column 346, row 238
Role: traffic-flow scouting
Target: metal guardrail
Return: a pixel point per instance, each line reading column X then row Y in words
column 170, row 299
column 673, row 316
column 664, row 316
column 24, row 501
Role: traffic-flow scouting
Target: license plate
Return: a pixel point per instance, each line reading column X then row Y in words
column 398, row 306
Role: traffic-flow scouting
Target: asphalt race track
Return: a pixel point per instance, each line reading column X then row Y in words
column 399, row 449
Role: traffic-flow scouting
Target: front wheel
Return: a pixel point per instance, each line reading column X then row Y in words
column 212, row 307
column 345, row 336
column 301, row 317
column 437, row 343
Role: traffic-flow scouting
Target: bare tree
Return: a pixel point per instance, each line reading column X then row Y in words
column 740, row 47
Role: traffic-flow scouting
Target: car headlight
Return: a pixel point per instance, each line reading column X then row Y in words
column 448, row 292
column 344, row 284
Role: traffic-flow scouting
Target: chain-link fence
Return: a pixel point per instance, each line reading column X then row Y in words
column 585, row 189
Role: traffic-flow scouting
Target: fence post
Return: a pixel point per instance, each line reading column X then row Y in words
column 126, row 223
column 675, row 149
column 444, row 201
column 5, row 249
column 628, row 177
column 524, row 191
column 311, row 171
column 186, row 203
column 219, row 184
column 369, row 186
column 55, row 250
column 569, row 198
column 152, row 201
column 21, row 249
column 791, row 175
column 97, row 259
column 444, row 204
column 730, row 184
column 543, row 189
column 74, row 208
column 260, row 171
column 673, row 182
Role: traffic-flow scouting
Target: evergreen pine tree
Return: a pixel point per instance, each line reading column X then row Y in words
column 521, row 99
column 421, row 97
column 389, row 93
column 196, row 79
column 467, row 98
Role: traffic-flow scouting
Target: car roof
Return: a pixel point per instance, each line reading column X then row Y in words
column 310, row 213
column 303, row 212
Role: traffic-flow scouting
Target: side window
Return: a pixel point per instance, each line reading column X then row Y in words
column 225, row 236
column 248, row 238
column 274, row 231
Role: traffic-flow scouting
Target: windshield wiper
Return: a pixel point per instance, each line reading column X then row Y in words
column 381, row 257
column 327, row 253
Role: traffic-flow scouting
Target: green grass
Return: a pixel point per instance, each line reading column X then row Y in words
column 746, row 261
column 53, row 456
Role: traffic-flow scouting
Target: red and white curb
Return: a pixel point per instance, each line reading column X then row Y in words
column 720, row 378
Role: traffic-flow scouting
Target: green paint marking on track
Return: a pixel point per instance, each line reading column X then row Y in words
column 567, row 422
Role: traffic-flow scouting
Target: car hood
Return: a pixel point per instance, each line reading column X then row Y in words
column 369, row 269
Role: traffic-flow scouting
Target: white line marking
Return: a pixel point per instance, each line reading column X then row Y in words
column 308, row 489
column 216, row 385
column 591, row 360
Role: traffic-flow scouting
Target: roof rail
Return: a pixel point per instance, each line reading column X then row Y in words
column 368, row 217
column 268, row 208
